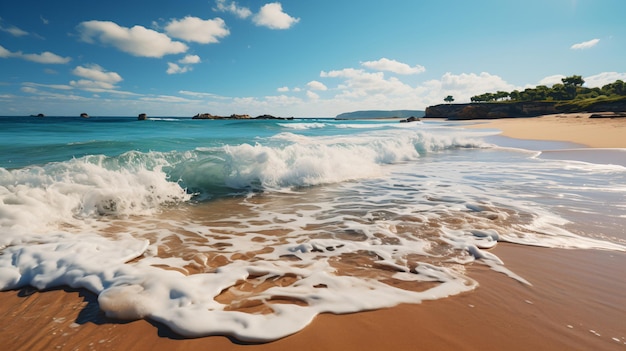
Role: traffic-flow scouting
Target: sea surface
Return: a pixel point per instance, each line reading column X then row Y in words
column 251, row 228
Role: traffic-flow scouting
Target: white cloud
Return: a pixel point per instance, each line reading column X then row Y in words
column 173, row 68
column 51, row 96
column 97, row 79
column 197, row 94
column 279, row 100
column 4, row 53
column 472, row 82
column 190, row 60
column 358, row 83
column 137, row 41
column 45, row 57
column 601, row 79
column 97, row 73
column 165, row 98
column 311, row 95
column 272, row 16
column 585, row 44
column 551, row 80
column 315, row 85
column 92, row 85
column 50, row 86
column 283, row 89
column 14, row 31
column 232, row 7
column 194, row 29
column 385, row 64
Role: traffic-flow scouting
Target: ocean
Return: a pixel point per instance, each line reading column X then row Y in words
column 251, row 228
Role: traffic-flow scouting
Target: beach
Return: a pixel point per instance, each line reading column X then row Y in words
column 574, row 127
column 575, row 299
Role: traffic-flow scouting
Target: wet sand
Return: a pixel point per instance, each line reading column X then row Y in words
column 576, row 301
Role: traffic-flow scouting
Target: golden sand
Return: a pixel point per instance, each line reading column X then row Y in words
column 576, row 302
column 574, row 127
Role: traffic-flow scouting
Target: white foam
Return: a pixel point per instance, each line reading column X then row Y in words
column 70, row 191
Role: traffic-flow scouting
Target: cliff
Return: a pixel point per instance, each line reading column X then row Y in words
column 520, row 109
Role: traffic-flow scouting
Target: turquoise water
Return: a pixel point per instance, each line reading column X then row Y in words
column 161, row 218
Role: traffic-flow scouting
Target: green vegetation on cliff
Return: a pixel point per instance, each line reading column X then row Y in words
column 570, row 92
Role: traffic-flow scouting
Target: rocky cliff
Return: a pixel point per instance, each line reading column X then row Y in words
column 518, row 109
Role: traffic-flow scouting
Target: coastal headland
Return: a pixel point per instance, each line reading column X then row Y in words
column 494, row 110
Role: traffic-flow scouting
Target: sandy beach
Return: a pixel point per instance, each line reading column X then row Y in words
column 575, row 127
column 576, row 301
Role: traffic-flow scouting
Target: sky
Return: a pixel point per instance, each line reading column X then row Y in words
column 301, row 58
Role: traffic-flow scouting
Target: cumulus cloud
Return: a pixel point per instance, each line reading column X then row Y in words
column 283, row 89
column 45, row 57
column 601, row 79
column 551, row 80
column 186, row 62
column 232, row 7
column 97, row 73
column 194, row 29
column 474, row 82
column 385, row 64
column 190, row 60
column 585, row 44
column 173, row 68
column 137, row 41
column 358, row 83
column 315, row 85
column 311, row 95
column 97, row 79
column 272, row 16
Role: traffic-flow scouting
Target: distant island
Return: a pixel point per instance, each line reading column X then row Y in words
column 569, row 97
column 373, row 114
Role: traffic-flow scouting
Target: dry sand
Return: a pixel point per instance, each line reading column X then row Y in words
column 577, row 300
column 574, row 127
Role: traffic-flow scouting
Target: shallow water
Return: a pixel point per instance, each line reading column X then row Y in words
column 252, row 228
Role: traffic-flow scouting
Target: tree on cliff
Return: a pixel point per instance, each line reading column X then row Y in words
column 449, row 99
column 575, row 81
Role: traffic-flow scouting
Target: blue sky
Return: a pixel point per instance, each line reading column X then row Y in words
column 314, row 58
